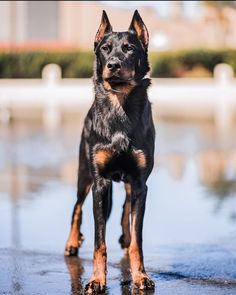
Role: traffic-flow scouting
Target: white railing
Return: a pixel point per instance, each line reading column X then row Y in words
column 179, row 97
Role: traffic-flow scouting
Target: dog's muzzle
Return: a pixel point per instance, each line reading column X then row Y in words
column 114, row 64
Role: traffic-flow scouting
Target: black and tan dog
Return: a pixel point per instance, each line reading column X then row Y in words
column 117, row 144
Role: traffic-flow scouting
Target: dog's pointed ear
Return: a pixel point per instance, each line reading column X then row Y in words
column 104, row 28
column 137, row 25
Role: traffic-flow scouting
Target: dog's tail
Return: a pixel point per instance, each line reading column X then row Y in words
column 109, row 202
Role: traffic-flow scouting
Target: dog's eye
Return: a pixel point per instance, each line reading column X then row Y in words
column 128, row 48
column 105, row 48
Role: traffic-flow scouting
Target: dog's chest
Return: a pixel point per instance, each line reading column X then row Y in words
column 107, row 121
column 119, row 165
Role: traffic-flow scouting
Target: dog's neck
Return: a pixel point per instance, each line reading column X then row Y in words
column 118, row 93
column 124, row 108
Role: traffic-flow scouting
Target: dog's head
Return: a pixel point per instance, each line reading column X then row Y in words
column 121, row 57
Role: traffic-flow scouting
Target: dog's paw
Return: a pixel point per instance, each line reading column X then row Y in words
column 95, row 287
column 144, row 283
column 72, row 247
column 71, row 251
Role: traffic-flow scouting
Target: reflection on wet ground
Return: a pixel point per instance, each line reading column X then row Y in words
column 189, row 228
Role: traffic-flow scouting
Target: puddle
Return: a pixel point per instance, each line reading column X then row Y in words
column 190, row 220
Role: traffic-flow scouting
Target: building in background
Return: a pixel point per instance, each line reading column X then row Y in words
column 74, row 23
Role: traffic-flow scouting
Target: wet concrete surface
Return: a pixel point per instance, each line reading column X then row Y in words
column 189, row 228
column 202, row 270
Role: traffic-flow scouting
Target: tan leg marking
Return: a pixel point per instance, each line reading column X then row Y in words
column 74, row 239
column 136, row 261
column 140, row 158
column 128, row 189
column 139, row 276
column 99, row 269
column 87, row 189
column 99, row 263
column 126, row 216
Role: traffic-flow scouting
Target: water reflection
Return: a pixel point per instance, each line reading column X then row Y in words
column 217, row 166
column 75, row 269
column 217, row 172
column 191, row 155
column 192, row 197
column 29, row 159
column 125, row 276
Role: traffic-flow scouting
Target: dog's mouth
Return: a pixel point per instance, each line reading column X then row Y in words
column 117, row 80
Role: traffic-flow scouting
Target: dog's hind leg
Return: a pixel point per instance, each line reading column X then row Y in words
column 125, row 238
column 83, row 186
column 76, row 238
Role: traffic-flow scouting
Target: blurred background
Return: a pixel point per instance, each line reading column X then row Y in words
column 46, row 62
column 187, row 38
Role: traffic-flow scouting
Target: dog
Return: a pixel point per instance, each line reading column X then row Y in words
column 117, row 144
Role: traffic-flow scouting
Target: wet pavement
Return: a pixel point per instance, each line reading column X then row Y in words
column 190, row 220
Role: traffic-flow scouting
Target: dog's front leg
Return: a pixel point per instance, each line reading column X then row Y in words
column 139, row 276
column 101, row 190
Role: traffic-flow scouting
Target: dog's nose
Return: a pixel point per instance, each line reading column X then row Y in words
column 113, row 65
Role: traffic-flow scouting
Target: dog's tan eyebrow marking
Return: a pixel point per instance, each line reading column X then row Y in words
column 109, row 44
column 126, row 42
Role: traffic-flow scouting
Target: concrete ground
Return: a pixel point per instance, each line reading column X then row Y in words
column 201, row 270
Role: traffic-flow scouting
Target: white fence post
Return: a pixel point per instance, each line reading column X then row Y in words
column 4, row 111
column 51, row 75
column 224, row 74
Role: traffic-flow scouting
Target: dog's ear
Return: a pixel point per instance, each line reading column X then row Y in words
column 137, row 25
column 104, row 28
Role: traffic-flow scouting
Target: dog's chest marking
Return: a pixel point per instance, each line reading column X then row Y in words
column 102, row 156
column 117, row 96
